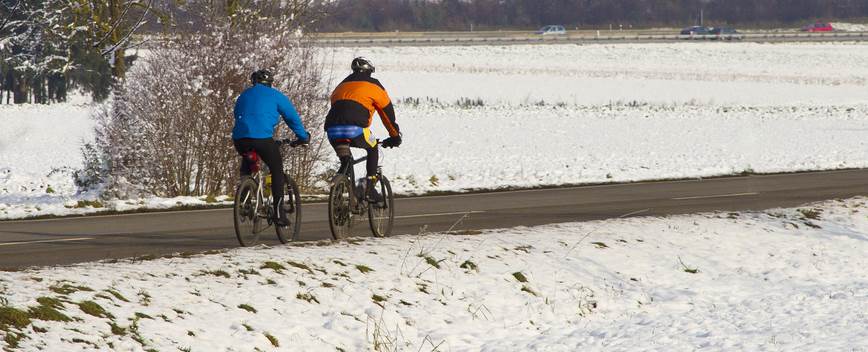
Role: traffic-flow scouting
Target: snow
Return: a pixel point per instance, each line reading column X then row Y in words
column 531, row 115
column 850, row 27
column 779, row 280
column 40, row 147
column 565, row 114
column 676, row 73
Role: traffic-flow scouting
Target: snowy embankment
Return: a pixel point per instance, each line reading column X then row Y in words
column 786, row 279
column 532, row 115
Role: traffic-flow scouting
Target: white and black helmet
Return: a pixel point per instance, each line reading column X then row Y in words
column 361, row 64
column 262, row 76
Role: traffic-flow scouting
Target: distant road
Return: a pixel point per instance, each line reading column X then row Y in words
column 575, row 37
column 75, row 240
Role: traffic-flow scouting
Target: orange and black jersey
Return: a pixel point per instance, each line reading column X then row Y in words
column 356, row 99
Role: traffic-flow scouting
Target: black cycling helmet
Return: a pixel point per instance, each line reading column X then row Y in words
column 361, row 64
column 262, row 76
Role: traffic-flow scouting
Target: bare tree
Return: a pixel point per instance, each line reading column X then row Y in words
column 168, row 132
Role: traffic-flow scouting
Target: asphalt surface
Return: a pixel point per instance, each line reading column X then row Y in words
column 75, row 240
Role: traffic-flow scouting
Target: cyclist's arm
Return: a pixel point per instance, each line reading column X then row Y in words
column 387, row 113
column 291, row 117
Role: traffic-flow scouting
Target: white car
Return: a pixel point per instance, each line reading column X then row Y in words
column 552, row 30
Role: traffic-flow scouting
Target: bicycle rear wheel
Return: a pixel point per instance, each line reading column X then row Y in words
column 340, row 212
column 292, row 205
column 247, row 221
column 382, row 215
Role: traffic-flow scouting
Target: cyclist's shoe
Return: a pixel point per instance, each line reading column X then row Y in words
column 372, row 194
column 280, row 218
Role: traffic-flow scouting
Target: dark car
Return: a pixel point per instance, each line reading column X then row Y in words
column 725, row 33
column 696, row 30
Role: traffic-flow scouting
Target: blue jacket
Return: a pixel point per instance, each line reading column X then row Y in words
column 258, row 111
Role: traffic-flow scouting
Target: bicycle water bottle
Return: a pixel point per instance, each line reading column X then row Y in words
column 267, row 190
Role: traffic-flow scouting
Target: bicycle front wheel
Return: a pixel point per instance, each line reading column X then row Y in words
column 340, row 211
column 247, row 221
column 382, row 214
column 292, row 206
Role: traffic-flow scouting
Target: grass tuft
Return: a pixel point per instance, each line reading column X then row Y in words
column 117, row 330
column 518, row 275
column 220, row 273
column 248, row 272
column 526, row 288
column 211, row 199
column 600, row 245
column 67, row 289
column 89, row 203
column 300, row 266
column 812, row 214
column 686, row 268
column 272, row 339
column 247, row 307
column 468, row 265
column 430, row 260
column 364, row 269
column 117, row 295
column 47, row 313
column 12, row 339
column 525, row 248
column 50, row 302
column 13, row 317
column 273, row 266
column 307, row 297
column 94, row 309
column 378, row 300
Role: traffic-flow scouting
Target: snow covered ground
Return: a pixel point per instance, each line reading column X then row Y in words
column 780, row 280
column 529, row 115
column 729, row 74
column 850, row 27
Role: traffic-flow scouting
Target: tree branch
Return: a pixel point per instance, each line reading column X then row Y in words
column 129, row 34
column 115, row 25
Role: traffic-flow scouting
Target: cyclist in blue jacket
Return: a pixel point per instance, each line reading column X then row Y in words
column 257, row 112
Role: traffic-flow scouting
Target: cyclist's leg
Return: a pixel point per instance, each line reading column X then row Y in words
column 340, row 137
column 243, row 146
column 270, row 154
column 369, row 144
column 344, row 154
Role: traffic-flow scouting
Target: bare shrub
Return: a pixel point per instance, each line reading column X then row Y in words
column 168, row 129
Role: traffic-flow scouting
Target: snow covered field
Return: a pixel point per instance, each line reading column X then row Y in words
column 523, row 116
column 780, row 280
column 519, row 116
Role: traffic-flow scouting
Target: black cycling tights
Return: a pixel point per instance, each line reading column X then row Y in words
column 270, row 154
column 342, row 148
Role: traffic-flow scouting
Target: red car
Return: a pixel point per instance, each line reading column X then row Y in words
column 818, row 27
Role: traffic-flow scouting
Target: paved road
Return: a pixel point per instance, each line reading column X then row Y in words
column 73, row 240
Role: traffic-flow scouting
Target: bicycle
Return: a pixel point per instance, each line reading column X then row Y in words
column 253, row 209
column 346, row 202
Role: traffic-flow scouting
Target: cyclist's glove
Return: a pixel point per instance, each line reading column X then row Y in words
column 392, row 142
column 299, row 142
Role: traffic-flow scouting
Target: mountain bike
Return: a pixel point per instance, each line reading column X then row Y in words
column 253, row 210
column 347, row 203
